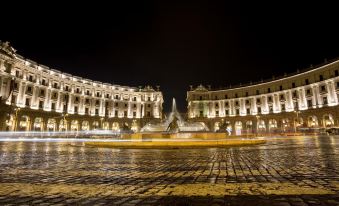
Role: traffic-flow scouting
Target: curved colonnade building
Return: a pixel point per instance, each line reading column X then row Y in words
column 35, row 97
column 300, row 102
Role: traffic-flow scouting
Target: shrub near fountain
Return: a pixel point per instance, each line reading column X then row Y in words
column 174, row 132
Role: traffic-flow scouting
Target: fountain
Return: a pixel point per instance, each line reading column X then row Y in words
column 175, row 123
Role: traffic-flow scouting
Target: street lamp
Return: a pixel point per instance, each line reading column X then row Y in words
column 16, row 118
column 295, row 122
column 258, row 117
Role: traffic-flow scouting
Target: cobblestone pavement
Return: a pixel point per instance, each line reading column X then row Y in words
column 284, row 171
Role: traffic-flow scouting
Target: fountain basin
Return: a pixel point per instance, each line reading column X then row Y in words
column 176, row 143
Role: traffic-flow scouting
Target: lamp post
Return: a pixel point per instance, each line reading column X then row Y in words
column 295, row 122
column 258, row 117
column 16, row 118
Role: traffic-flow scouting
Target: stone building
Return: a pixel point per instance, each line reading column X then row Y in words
column 303, row 101
column 35, row 97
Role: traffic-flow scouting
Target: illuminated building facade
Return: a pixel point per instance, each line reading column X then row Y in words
column 295, row 102
column 35, row 97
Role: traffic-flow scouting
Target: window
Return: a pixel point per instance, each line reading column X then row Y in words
column 15, row 86
column 97, row 102
column 66, row 88
column 236, row 103
column 134, row 114
column 107, row 95
column 43, row 82
column 96, row 111
column 42, row 92
column 309, row 103
column 116, row 96
column 54, row 95
column 125, row 105
column 27, row 102
column 17, row 73
column 98, row 94
column 200, row 97
column 30, row 78
column 237, row 111
column 87, row 101
column 13, row 100
column 268, row 90
column 29, row 89
column 148, row 105
column 323, row 88
column 293, row 84
column 116, row 113
column 87, row 92
column 257, row 92
column 148, row 114
column 64, row 107
column 294, row 94
column 116, row 104
column 236, row 95
column 247, row 111
column 226, row 112
column 53, row 106
column 325, row 100
column 282, row 97
column 246, row 94
column 76, row 99
column 216, row 105
column 271, row 109
column 283, row 107
column 125, row 113
column 55, row 85
column 217, row 113
column 134, row 99
column 308, row 91
column 336, row 72
column 86, row 110
column 321, row 78
column 78, row 90
column 75, row 109
column 226, row 104
column 149, row 99
column 134, row 106
column 258, row 101
column 226, row 96
column 306, row 81
column 280, row 87
column 259, row 110
column 247, row 101
column 41, row 104
column 201, row 113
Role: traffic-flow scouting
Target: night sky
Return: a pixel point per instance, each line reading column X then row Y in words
column 174, row 45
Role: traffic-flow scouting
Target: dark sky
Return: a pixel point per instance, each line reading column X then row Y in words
column 174, row 45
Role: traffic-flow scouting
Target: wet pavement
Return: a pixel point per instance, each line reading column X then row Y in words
column 284, row 171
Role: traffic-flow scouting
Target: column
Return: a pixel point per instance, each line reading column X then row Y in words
column 289, row 100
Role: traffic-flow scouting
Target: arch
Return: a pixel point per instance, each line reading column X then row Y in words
column 272, row 124
column 115, row 126
column 51, row 125
column 216, row 126
column 38, row 124
column 312, row 121
column 74, row 125
column 285, row 125
column 95, row 125
column 24, row 124
column 249, row 126
column 238, row 127
column 10, row 123
column 261, row 125
column 85, row 125
column 105, row 125
column 328, row 120
column 63, row 125
column 135, row 126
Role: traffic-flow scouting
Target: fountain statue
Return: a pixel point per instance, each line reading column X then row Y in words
column 175, row 123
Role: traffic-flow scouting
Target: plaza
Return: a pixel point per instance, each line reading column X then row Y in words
column 283, row 171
